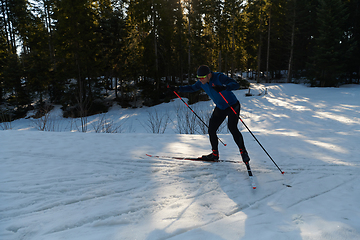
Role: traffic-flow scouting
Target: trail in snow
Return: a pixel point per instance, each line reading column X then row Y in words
column 62, row 185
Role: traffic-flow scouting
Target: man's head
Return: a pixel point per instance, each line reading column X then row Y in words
column 204, row 74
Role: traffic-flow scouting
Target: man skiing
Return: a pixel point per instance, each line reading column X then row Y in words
column 213, row 83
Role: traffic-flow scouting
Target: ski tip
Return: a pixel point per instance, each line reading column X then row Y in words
column 148, row 155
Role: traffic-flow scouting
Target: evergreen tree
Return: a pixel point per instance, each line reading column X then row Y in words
column 4, row 55
column 71, row 50
column 239, row 38
column 330, row 51
column 255, row 20
column 77, row 47
column 352, row 40
column 16, row 21
column 36, row 60
column 230, row 18
column 303, row 18
column 179, row 43
column 200, row 41
column 113, row 37
column 276, row 39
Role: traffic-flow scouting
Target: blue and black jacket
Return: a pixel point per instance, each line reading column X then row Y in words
column 219, row 79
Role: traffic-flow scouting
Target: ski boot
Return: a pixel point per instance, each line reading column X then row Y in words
column 214, row 156
column 245, row 156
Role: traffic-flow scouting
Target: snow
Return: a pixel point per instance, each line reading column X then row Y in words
column 64, row 184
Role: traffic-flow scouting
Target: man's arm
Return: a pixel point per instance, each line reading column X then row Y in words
column 230, row 83
column 191, row 88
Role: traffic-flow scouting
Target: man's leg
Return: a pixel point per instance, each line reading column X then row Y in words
column 233, row 127
column 217, row 117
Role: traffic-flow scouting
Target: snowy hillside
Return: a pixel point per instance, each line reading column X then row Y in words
column 72, row 185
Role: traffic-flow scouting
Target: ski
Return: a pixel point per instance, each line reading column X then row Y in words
column 251, row 176
column 192, row 159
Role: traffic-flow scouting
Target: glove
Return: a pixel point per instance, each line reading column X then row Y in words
column 219, row 88
column 172, row 88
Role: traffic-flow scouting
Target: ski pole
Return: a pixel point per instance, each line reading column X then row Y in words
column 282, row 172
column 196, row 114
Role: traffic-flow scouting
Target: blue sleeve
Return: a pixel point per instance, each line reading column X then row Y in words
column 230, row 83
column 191, row 88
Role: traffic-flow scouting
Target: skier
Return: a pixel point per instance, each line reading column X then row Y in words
column 213, row 83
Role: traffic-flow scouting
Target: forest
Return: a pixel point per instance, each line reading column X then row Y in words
column 74, row 52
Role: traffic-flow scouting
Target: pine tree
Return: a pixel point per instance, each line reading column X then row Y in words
column 4, row 57
column 352, row 40
column 255, row 21
column 36, row 60
column 16, row 20
column 77, row 47
column 329, row 54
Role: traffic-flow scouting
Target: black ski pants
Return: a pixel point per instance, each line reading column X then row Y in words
column 217, row 118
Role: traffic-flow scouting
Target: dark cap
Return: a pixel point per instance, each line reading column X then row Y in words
column 203, row 71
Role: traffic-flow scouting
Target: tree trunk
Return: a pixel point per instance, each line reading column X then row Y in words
column 189, row 50
column 219, row 68
column 233, row 51
column 8, row 27
column 259, row 61
column 268, row 50
column 289, row 77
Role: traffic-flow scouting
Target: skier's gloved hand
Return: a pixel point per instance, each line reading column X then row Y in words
column 219, row 88
column 172, row 88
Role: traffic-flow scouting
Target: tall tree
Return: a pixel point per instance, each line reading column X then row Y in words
column 17, row 21
column 8, row 23
column 304, row 34
column 292, row 20
column 36, row 60
column 255, row 20
column 330, row 48
column 353, row 40
column 230, row 17
column 179, row 42
column 77, row 48
column 4, row 66
column 199, row 43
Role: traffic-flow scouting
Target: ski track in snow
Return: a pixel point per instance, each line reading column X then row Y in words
column 102, row 186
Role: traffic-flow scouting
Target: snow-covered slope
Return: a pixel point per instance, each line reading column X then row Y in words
column 71, row 185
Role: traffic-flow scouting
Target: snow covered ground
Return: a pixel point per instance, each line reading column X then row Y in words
column 64, row 184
